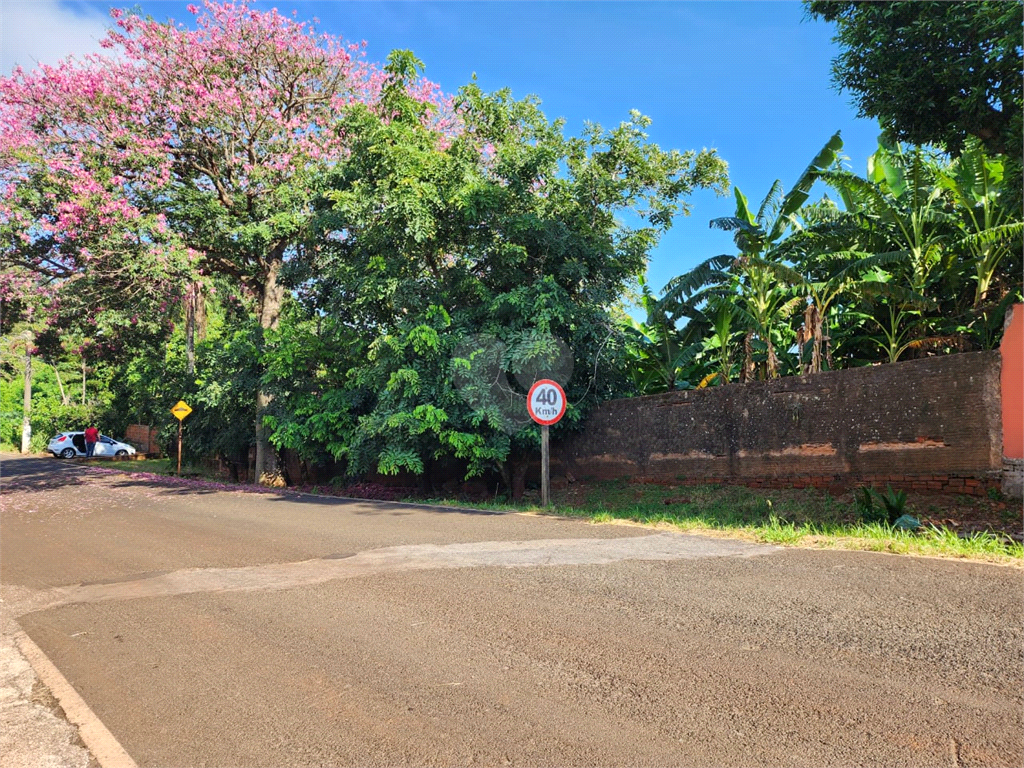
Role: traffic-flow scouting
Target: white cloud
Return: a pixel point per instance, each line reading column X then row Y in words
column 36, row 32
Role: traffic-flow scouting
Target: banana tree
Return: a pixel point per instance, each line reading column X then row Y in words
column 938, row 223
column 828, row 268
column 723, row 314
column 988, row 231
column 765, row 301
column 901, row 208
column 661, row 351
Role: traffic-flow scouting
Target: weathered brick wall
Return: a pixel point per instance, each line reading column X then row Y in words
column 143, row 437
column 931, row 424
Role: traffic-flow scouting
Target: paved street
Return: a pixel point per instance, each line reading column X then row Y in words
column 218, row 628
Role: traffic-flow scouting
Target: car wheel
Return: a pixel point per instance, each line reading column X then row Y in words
column 67, row 453
column 122, row 452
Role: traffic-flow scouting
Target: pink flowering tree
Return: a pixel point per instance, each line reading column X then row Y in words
column 182, row 154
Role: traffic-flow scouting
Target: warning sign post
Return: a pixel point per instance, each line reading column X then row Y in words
column 180, row 410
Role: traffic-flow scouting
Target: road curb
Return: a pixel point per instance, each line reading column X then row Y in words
column 94, row 734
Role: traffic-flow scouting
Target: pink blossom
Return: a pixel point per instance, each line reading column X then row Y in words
column 112, row 132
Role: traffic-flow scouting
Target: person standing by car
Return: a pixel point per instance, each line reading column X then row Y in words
column 92, row 435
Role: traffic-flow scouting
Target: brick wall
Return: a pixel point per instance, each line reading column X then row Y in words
column 143, row 437
column 928, row 425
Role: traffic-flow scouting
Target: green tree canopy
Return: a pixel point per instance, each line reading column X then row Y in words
column 468, row 264
column 933, row 72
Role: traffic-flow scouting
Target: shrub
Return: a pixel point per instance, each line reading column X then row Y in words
column 884, row 508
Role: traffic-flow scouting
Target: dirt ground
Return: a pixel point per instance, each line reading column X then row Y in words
column 968, row 514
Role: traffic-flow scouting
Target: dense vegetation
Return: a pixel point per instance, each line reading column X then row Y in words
column 920, row 256
column 335, row 258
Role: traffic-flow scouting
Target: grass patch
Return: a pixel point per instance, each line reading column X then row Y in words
column 793, row 518
column 168, row 466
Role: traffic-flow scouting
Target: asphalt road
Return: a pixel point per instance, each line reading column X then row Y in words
column 232, row 629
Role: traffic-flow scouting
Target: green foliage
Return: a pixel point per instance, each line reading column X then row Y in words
column 923, row 257
column 933, row 72
column 505, row 241
column 420, row 243
column 432, row 277
column 887, row 508
column 57, row 397
column 754, row 292
column 223, row 418
column 48, row 418
column 662, row 354
column 865, row 500
column 894, row 503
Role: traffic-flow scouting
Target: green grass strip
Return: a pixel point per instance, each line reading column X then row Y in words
column 732, row 511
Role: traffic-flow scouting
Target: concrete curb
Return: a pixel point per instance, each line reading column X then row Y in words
column 94, row 734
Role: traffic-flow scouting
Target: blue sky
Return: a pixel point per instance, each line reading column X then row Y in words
column 750, row 79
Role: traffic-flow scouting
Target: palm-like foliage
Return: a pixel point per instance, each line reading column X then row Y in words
column 722, row 312
column 923, row 256
column 756, row 234
column 660, row 350
column 830, row 271
column 931, row 224
column 988, row 230
column 900, row 209
column 766, row 298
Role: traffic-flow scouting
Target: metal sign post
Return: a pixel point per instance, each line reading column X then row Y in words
column 546, row 405
column 180, row 411
column 545, row 466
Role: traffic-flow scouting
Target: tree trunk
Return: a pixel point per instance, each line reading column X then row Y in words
column 771, row 363
column 268, row 463
column 83, row 379
column 816, row 348
column 802, row 337
column 63, row 395
column 812, row 332
column 190, row 331
column 747, row 371
column 513, row 473
column 195, row 324
column 200, row 311
column 26, row 420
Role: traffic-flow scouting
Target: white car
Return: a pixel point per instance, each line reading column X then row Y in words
column 68, row 445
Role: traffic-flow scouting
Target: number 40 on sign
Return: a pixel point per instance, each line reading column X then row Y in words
column 546, row 402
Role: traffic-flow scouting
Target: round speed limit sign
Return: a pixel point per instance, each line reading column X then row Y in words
column 546, row 402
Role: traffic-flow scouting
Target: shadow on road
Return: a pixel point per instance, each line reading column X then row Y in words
column 378, row 507
column 32, row 473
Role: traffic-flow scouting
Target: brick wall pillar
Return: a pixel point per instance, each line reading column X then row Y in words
column 1012, row 388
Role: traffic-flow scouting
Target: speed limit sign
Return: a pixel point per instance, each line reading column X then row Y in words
column 546, row 402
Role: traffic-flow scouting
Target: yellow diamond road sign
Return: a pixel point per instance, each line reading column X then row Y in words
column 181, row 410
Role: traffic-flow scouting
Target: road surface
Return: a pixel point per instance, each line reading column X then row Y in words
column 218, row 628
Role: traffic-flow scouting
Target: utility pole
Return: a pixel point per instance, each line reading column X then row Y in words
column 26, row 419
